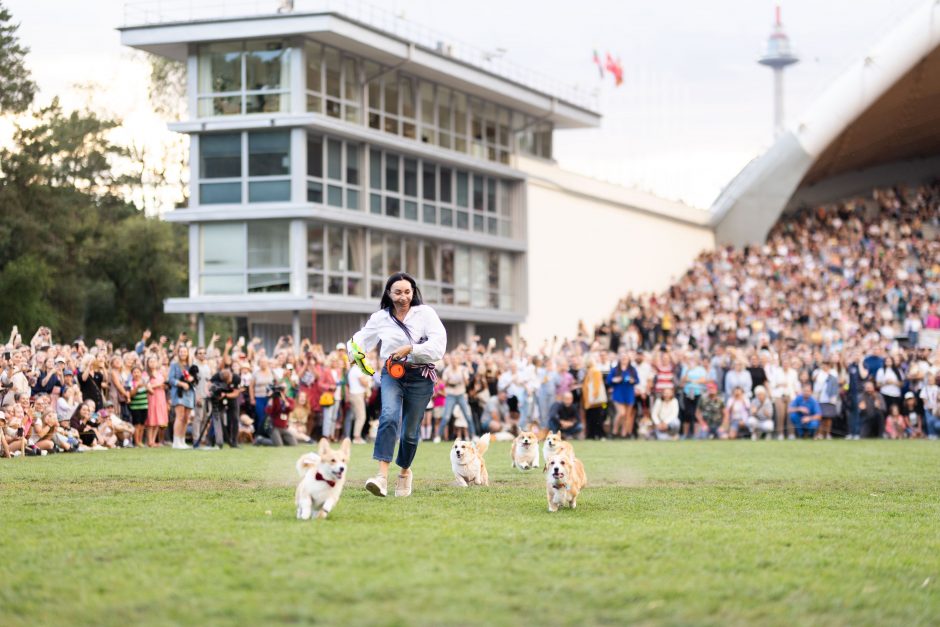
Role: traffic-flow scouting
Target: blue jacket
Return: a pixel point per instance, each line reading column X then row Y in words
column 810, row 403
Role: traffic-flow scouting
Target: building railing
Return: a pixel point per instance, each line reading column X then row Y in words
column 147, row 12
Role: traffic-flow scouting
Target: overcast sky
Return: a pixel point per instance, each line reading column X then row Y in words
column 694, row 108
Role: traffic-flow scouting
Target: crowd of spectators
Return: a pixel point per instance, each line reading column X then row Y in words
column 828, row 329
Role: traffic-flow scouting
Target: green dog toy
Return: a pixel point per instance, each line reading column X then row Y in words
column 359, row 357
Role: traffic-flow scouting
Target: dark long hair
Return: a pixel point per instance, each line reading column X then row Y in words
column 400, row 276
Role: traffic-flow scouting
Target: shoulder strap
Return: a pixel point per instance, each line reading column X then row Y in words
column 401, row 325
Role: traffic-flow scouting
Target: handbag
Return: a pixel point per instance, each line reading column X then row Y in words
column 326, row 399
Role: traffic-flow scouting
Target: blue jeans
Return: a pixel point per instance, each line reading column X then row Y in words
column 403, row 403
column 855, row 420
column 933, row 423
column 261, row 403
column 449, row 403
column 800, row 427
column 555, row 425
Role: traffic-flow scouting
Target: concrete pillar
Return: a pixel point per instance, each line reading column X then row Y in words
column 200, row 329
column 295, row 328
column 471, row 331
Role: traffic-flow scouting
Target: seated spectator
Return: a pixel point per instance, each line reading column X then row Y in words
column 299, row 415
column 761, row 420
column 278, row 409
column 496, row 415
column 665, row 415
column 872, row 409
column 563, row 416
column 805, row 413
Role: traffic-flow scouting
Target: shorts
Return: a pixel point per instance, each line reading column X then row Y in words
column 138, row 417
column 828, row 410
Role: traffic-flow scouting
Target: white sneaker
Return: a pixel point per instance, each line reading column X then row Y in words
column 377, row 485
column 791, row 437
column 403, row 485
column 437, row 439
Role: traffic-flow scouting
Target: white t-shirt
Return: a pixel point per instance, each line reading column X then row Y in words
column 355, row 385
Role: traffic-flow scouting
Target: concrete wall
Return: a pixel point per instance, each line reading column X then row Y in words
column 590, row 243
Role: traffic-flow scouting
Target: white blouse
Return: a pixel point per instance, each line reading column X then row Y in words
column 425, row 327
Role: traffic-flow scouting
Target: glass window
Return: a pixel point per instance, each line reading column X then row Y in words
column 393, row 253
column 315, row 156
column 392, row 207
column 268, row 191
column 445, row 184
column 269, row 282
column 443, row 108
column 220, row 156
column 376, row 250
column 411, row 255
column 374, row 86
column 428, row 181
column 331, row 62
column 220, row 193
column 334, row 159
column 460, row 122
column 355, row 250
column 478, row 192
column 211, row 284
column 314, row 192
column 407, row 98
column 479, row 294
column 375, row 169
column 391, row 173
column 430, row 261
column 334, row 242
column 391, row 95
column 411, row 210
column 352, row 164
column 462, row 189
column 491, row 195
column 334, row 196
column 429, row 214
column 350, row 80
column 223, row 247
column 268, row 244
column 269, row 153
column 267, row 66
column 314, row 63
column 411, row 177
column 352, row 199
column 220, row 68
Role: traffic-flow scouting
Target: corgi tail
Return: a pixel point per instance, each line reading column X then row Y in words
column 307, row 461
column 483, row 444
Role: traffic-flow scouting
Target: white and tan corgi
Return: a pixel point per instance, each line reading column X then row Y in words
column 323, row 475
column 564, row 480
column 525, row 451
column 554, row 445
column 466, row 460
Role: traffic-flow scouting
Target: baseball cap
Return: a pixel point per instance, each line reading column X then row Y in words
column 60, row 360
column 340, row 346
column 67, row 372
column 909, row 395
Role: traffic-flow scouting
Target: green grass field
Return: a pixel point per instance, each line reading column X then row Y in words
column 828, row 533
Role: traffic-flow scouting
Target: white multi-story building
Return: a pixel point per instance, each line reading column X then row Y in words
column 329, row 149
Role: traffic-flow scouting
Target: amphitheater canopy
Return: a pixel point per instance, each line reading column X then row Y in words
column 878, row 123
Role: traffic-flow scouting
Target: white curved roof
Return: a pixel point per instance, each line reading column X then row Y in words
column 885, row 107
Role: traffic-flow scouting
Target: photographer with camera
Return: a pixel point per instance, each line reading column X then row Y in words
column 278, row 410
column 182, row 379
column 223, row 393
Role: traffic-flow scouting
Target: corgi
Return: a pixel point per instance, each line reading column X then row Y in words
column 466, row 460
column 554, row 445
column 564, row 480
column 323, row 475
column 525, row 451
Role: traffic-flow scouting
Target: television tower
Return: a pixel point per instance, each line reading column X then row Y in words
column 778, row 56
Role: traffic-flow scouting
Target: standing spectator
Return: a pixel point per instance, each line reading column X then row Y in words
column 594, row 398
column 855, row 373
column 157, row 412
column 548, row 379
column 330, row 375
column 182, row 394
column 623, row 378
column 826, row 391
column 456, row 378
column 359, row 385
column 784, row 386
column 738, row 378
column 805, row 413
column 889, row 381
column 201, row 407
column 693, row 386
column 91, row 378
column 137, row 387
column 262, row 378
column 930, row 395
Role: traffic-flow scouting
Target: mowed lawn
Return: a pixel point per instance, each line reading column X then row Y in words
column 830, row 533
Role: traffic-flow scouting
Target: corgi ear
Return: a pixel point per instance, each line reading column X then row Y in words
column 344, row 448
column 324, row 446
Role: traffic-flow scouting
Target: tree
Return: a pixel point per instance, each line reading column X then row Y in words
column 16, row 87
